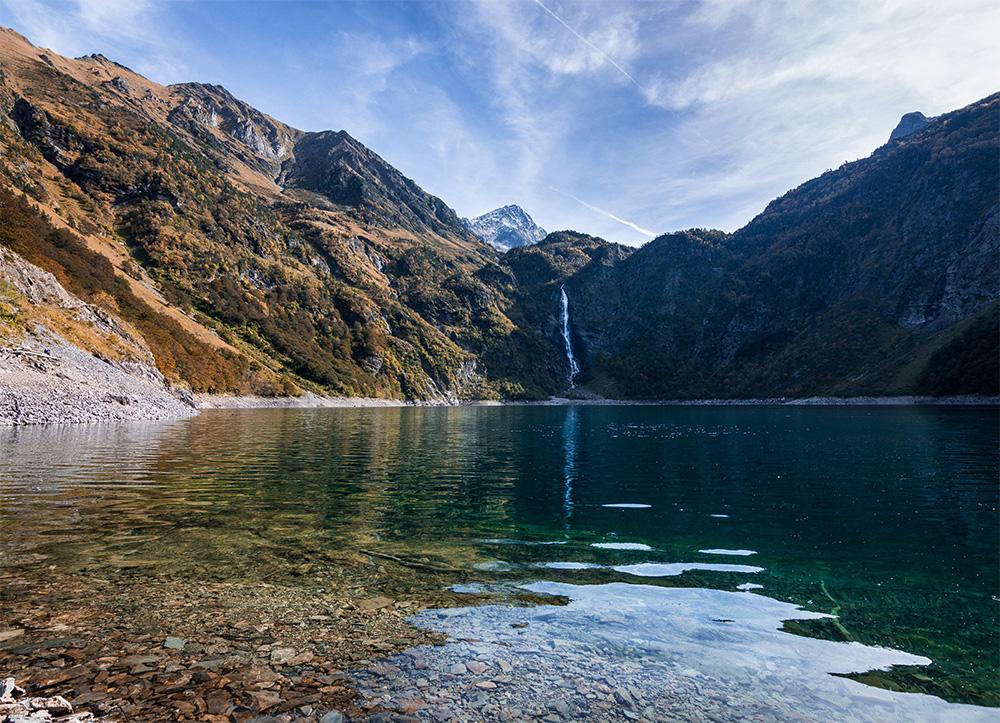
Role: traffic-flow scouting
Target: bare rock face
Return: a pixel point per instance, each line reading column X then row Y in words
column 259, row 140
column 38, row 286
column 347, row 173
column 909, row 124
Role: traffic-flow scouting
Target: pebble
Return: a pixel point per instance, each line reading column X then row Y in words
column 282, row 656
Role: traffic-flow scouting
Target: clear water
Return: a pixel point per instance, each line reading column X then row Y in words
column 885, row 517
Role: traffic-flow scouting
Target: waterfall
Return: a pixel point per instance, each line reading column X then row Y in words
column 574, row 368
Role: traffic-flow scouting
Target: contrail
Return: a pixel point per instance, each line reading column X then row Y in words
column 590, row 45
column 601, row 211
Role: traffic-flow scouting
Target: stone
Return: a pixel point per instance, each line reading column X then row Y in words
column 282, row 656
column 386, row 670
column 264, row 699
column 10, row 634
column 476, row 667
column 374, row 603
column 303, row 658
column 174, row 643
column 55, row 705
column 218, row 702
column 458, row 669
column 9, row 689
column 334, row 716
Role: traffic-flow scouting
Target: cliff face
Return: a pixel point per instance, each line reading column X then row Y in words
column 251, row 257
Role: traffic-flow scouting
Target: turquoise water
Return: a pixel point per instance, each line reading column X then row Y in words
column 885, row 517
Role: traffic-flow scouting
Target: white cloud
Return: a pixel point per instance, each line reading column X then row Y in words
column 804, row 87
column 356, row 71
column 618, row 40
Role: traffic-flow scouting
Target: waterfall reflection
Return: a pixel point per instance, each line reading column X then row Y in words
column 570, row 433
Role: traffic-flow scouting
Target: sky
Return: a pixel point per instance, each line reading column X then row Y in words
column 620, row 119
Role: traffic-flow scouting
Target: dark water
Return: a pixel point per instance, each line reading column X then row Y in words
column 886, row 518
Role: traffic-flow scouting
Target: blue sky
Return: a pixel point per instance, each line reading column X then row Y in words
column 619, row 119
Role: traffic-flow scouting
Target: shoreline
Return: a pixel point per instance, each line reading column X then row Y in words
column 314, row 401
column 145, row 407
column 861, row 401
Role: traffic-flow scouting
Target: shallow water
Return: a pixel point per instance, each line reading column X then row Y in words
column 886, row 517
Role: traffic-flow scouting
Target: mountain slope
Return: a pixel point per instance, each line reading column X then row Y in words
column 506, row 228
column 316, row 262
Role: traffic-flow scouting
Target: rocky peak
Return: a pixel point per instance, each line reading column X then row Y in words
column 506, row 228
column 264, row 142
column 909, row 124
column 348, row 173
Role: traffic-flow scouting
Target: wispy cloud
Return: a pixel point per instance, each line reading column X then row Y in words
column 589, row 44
column 606, row 214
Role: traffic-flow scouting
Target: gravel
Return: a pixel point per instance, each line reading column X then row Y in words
column 47, row 380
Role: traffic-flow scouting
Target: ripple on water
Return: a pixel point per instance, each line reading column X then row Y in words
column 621, row 545
column 628, row 505
column 670, row 569
column 721, row 551
column 570, row 565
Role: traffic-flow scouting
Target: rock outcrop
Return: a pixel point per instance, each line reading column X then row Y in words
column 909, row 124
column 45, row 377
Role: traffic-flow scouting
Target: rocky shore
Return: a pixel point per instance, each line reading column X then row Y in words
column 307, row 400
column 47, row 380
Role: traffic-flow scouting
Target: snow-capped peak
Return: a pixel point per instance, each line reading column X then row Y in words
column 506, row 228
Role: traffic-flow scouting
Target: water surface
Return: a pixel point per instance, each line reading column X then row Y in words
column 885, row 518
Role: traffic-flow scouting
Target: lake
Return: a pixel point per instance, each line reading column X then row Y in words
column 792, row 559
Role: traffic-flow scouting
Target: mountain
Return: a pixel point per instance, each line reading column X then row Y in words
column 880, row 277
column 290, row 261
column 506, row 228
column 200, row 245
